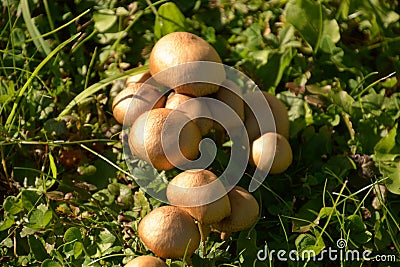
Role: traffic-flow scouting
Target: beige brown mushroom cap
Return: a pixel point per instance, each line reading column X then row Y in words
column 244, row 211
column 230, row 94
column 279, row 113
column 146, row 261
column 263, row 153
column 138, row 78
column 152, row 137
column 169, row 232
column 187, row 188
column 195, row 109
column 182, row 47
column 134, row 100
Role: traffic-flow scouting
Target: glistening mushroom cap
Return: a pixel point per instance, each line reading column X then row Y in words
column 191, row 187
column 177, row 48
column 244, row 211
column 263, row 153
column 169, row 232
column 279, row 113
column 134, row 100
column 196, row 110
column 164, row 138
column 146, row 261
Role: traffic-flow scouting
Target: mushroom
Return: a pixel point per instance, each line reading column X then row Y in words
column 279, row 113
column 135, row 99
column 202, row 195
column 138, row 78
column 146, row 261
column 165, row 138
column 244, row 212
column 230, row 94
column 177, row 48
column 169, row 232
column 263, row 154
column 195, row 109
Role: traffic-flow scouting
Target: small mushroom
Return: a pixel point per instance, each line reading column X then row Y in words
column 195, row 109
column 263, row 154
column 230, row 94
column 138, row 78
column 279, row 113
column 244, row 212
column 146, row 261
column 169, row 232
column 158, row 136
column 134, row 100
column 192, row 191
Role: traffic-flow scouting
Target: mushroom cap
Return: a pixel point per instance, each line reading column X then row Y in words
column 194, row 109
column 169, row 232
column 188, row 191
column 182, row 47
column 146, row 261
column 244, row 211
column 158, row 133
column 134, row 100
column 230, row 94
column 279, row 113
column 262, row 152
column 138, row 78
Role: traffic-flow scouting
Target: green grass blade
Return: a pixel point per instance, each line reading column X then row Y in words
column 34, row 74
column 98, row 86
column 39, row 42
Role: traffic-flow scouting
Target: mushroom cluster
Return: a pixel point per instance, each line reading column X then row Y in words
column 167, row 122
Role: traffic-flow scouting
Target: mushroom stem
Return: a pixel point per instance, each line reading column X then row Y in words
column 225, row 235
column 204, row 230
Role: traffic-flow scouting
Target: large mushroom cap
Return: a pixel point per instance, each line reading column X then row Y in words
column 146, row 261
column 158, row 133
column 244, row 214
column 196, row 110
column 279, row 113
column 263, row 153
column 134, row 100
column 188, row 188
column 182, row 47
column 169, row 232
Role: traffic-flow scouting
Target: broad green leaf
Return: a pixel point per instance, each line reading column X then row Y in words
column 306, row 16
column 104, row 19
column 106, row 241
column 306, row 243
column 73, row 234
column 6, row 224
column 393, row 181
column 169, row 19
column 386, row 144
column 343, row 100
column 13, row 205
column 78, row 249
column 40, row 217
column 37, row 248
column 50, row 263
